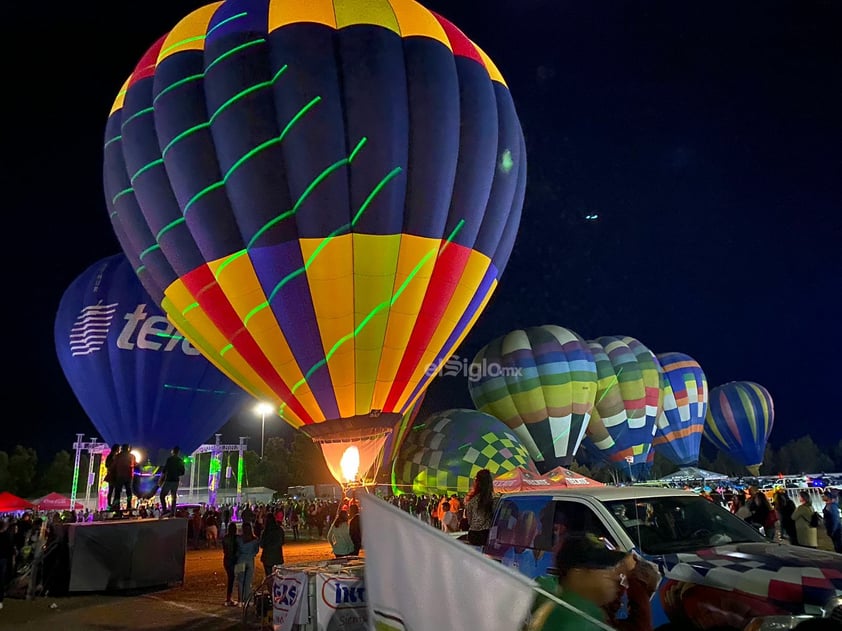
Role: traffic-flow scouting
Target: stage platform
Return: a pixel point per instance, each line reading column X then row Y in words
column 126, row 554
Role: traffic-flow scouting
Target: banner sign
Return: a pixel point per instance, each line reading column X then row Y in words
column 289, row 601
column 341, row 603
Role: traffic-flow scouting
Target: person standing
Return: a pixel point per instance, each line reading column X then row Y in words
column 7, row 555
column 587, row 580
column 109, row 472
column 173, row 470
column 806, row 526
column 832, row 519
column 272, row 542
column 786, row 507
column 229, row 560
column 478, row 508
column 355, row 528
column 124, row 464
column 339, row 536
column 247, row 548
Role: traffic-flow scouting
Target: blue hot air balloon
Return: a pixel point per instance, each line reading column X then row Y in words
column 139, row 381
column 678, row 432
column 739, row 421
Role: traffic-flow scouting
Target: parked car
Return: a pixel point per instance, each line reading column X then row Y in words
column 718, row 571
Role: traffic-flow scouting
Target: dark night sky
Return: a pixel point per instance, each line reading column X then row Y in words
column 706, row 136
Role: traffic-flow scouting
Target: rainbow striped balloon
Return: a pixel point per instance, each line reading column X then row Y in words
column 541, row 382
column 629, row 400
column 678, row 431
column 739, row 420
column 325, row 191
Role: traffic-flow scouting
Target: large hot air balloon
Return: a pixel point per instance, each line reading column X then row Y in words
column 394, row 441
column 443, row 453
column 678, row 431
column 139, row 381
column 739, row 420
column 628, row 401
column 542, row 383
column 325, row 192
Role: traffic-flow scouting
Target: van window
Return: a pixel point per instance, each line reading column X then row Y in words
column 539, row 523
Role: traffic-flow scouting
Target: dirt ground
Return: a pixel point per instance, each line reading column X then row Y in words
column 197, row 605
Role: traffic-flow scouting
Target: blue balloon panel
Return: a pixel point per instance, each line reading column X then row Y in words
column 139, row 381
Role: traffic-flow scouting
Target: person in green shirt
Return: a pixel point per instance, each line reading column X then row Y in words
column 587, row 579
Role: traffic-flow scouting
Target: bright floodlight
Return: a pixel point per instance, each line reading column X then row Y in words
column 264, row 408
column 138, row 456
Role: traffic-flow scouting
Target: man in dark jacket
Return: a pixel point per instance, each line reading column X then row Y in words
column 173, row 470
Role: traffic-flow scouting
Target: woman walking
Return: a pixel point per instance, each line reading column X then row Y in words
column 478, row 508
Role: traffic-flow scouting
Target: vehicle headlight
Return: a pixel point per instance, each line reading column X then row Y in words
column 775, row 623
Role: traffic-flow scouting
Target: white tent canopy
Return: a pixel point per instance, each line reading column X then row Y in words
column 688, row 474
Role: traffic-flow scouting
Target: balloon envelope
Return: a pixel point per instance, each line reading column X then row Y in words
column 739, row 420
column 139, row 381
column 321, row 195
column 542, row 383
column 628, row 401
column 678, row 432
column 443, row 453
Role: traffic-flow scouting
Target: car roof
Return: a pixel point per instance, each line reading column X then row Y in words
column 608, row 493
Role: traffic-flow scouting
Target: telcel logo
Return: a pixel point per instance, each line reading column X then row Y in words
column 152, row 329
column 154, row 333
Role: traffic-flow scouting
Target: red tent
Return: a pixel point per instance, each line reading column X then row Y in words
column 10, row 503
column 56, row 501
column 520, row 479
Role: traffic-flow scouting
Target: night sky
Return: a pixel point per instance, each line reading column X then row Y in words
column 705, row 137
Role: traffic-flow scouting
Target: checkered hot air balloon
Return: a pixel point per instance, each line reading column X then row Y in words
column 541, row 382
column 678, row 431
column 325, row 192
column 739, row 420
column 629, row 400
column 443, row 453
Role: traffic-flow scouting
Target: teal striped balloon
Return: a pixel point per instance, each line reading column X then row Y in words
column 541, row 382
column 628, row 400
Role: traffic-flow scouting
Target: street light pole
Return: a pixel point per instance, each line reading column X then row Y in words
column 263, row 409
column 262, row 431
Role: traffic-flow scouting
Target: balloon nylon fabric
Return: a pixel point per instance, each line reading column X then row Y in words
column 678, row 432
column 542, row 383
column 628, row 400
column 444, row 453
column 739, row 420
column 324, row 193
column 138, row 380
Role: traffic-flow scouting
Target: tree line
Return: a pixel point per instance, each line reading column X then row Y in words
column 300, row 462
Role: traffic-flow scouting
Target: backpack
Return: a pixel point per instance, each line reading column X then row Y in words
column 814, row 520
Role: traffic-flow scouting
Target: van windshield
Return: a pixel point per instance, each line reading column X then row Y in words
column 665, row 525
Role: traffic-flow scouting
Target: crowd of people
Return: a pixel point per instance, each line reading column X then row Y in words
column 784, row 519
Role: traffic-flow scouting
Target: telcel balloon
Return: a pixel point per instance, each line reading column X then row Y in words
column 628, row 401
column 678, row 432
column 739, row 421
column 326, row 193
column 139, row 381
column 542, row 383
